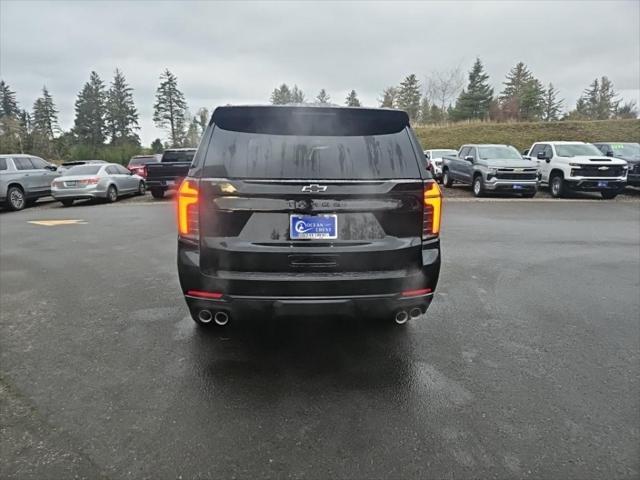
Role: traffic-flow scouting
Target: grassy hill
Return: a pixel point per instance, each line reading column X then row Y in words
column 522, row 135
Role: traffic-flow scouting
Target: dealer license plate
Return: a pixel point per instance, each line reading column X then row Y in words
column 319, row 227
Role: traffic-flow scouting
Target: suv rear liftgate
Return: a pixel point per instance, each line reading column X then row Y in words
column 306, row 210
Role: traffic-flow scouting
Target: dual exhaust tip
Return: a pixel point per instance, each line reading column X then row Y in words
column 220, row 318
column 402, row 316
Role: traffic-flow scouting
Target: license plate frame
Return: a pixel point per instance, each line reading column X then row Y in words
column 313, row 227
column 518, row 187
column 603, row 184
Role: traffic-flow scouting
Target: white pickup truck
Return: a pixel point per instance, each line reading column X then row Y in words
column 580, row 166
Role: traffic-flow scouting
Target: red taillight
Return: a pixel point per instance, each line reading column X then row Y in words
column 432, row 209
column 89, row 181
column 203, row 294
column 188, row 208
column 143, row 172
column 416, row 293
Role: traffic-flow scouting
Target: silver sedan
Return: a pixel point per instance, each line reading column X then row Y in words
column 108, row 181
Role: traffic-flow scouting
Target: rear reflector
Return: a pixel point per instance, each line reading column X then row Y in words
column 202, row 294
column 416, row 293
column 432, row 210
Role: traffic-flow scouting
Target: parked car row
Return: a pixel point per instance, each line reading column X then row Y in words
column 605, row 167
column 25, row 178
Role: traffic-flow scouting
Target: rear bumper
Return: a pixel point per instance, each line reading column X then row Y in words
column 164, row 184
column 73, row 193
column 310, row 293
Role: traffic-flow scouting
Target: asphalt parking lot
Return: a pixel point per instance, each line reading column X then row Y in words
column 526, row 365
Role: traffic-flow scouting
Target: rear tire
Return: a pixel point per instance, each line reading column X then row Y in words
column 157, row 193
column 478, row 186
column 112, row 194
column 66, row 203
column 142, row 189
column 608, row 195
column 556, row 185
column 15, row 198
column 446, row 179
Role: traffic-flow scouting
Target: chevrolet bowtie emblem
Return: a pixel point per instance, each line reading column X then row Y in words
column 603, row 168
column 314, row 188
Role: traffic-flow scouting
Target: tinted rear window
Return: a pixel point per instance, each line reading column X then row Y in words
column 178, row 156
column 234, row 154
column 3, row 163
column 84, row 170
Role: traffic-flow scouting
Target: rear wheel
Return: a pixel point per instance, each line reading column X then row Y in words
column 142, row 189
column 15, row 198
column 157, row 193
column 556, row 185
column 609, row 195
column 446, row 179
column 478, row 186
column 67, row 202
column 112, row 194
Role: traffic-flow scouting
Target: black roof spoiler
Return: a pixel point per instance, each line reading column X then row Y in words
column 310, row 120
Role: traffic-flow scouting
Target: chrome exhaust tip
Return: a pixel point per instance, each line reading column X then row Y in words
column 221, row 318
column 415, row 312
column 401, row 317
column 205, row 316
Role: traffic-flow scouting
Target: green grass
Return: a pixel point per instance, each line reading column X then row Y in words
column 522, row 135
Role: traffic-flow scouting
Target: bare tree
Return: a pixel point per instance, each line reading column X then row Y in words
column 442, row 87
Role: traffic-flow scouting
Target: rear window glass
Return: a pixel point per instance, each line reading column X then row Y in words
column 141, row 161
column 3, row 163
column 84, row 170
column 235, row 154
column 178, row 156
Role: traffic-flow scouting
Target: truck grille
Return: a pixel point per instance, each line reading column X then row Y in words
column 517, row 174
column 594, row 171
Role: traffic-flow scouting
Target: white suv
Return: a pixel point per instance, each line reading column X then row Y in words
column 578, row 166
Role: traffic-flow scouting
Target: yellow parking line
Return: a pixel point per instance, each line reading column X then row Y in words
column 53, row 223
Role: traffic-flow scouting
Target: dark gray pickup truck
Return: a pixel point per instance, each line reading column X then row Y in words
column 169, row 171
column 629, row 152
column 497, row 168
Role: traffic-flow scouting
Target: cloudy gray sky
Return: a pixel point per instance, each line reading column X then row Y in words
column 238, row 52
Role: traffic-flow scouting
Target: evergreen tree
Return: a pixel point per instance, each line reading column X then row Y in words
column 436, row 115
column 425, row 110
column 409, row 96
column 523, row 97
column 203, row 119
column 169, row 111
column 552, row 104
column 389, row 98
column 281, row 95
column 121, row 114
column 297, row 95
column 475, row 100
column 43, row 123
column 598, row 102
column 352, row 99
column 192, row 137
column 323, row 97
column 532, row 100
column 25, row 131
column 8, row 103
column 156, row 146
column 89, row 126
column 45, row 116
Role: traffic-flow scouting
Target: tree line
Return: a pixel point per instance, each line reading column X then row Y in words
column 106, row 122
column 444, row 97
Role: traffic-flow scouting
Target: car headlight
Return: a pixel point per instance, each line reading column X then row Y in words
column 575, row 165
column 492, row 171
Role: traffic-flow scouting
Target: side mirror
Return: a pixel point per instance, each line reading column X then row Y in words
column 525, row 152
column 53, row 168
column 609, row 153
column 469, row 158
column 541, row 156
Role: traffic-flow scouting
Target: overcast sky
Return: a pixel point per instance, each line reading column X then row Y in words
column 238, row 52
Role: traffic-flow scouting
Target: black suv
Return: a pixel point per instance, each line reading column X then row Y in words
column 300, row 210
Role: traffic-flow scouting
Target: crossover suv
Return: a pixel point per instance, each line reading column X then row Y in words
column 24, row 179
column 298, row 210
column 578, row 166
